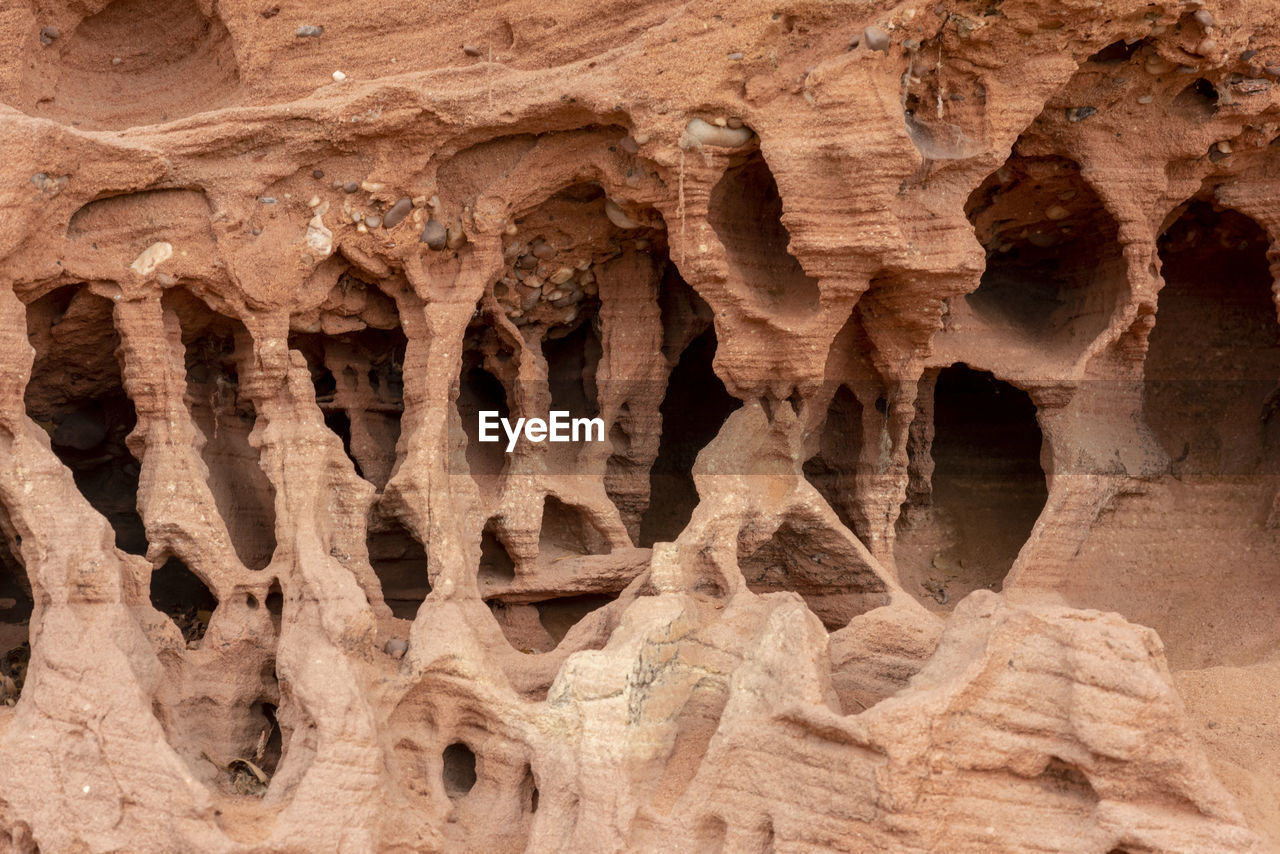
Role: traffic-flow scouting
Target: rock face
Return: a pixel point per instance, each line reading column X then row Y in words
column 935, row 352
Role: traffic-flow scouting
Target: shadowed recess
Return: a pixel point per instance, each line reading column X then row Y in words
column 964, row 528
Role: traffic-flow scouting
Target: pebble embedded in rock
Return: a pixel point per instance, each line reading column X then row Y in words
column 629, row 145
column 705, row 133
column 1079, row 114
column 618, row 216
column 309, row 31
column 1204, row 18
column 471, row 50
column 542, row 249
column 735, row 56
column 373, row 221
column 454, row 237
column 396, row 647
column 399, row 211
column 876, row 39
column 48, row 35
column 317, row 174
column 434, row 234
column 350, row 187
column 1207, row 47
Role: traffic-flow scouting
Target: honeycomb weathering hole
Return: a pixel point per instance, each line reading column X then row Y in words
column 77, row 394
column 1055, row 269
column 746, row 212
column 694, row 409
column 963, row 528
column 16, row 606
column 399, row 561
column 1213, row 359
column 458, row 770
column 215, row 347
column 358, row 377
column 137, row 62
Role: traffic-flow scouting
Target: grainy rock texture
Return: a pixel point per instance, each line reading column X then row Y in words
column 936, row 347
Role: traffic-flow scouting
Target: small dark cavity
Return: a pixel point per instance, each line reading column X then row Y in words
column 1118, row 51
column 459, row 770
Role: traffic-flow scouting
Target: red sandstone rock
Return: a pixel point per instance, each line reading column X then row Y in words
column 937, row 353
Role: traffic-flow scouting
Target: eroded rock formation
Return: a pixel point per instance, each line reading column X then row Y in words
column 936, row 348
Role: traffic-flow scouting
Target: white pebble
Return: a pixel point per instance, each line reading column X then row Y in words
column 705, row 133
column 617, row 215
column 153, row 256
column 338, row 76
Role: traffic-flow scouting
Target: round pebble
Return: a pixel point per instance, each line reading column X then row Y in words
column 1207, row 47
column 350, row 187
column 542, row 249
column 48, row 35
column 317, row 174
column 308, row 31
column 471, row 50
column 396, row 647
column 398, row 212
column 1204, row 17
column 434, row 234
column 374, row 221
column 338, row 76
column 876, row 39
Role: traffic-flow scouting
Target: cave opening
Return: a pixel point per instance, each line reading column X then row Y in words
column 567, row 531
column 184, row 598
column 811, row 560
column 358, row 378
column 745, row 210
column 399, row 561
column 478, row 391
column 16, row 607
column 969, row 521
column 76, row 393
column 496, row 566
column 458, row 770
column 694, row 409
column 1213, row 357
column 540, row 626
column 833, row 468
column 216, row 346
column 572, row 359
column 1055, row 267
